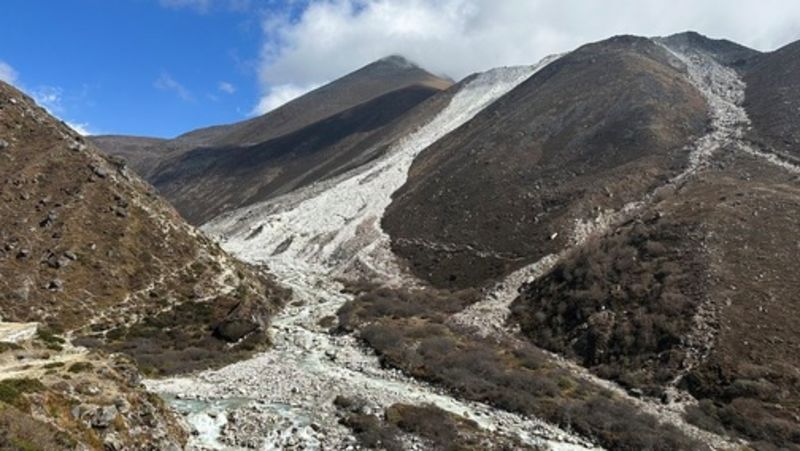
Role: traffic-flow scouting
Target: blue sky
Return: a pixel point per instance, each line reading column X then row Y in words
column 135, row 66
column 164, row 67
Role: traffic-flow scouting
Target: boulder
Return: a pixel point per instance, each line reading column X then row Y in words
column 233, row 330
column 103, row 416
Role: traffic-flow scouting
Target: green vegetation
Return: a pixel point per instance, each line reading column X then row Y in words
column 12, row 391
column 50, row 339
column 79, row 367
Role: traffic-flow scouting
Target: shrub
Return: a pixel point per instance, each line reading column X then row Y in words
column 407, row 331
column 50, row 339
column 12, row 391
column 371, row 433
column 621, row 303
column 424, row 303
column 79, row 367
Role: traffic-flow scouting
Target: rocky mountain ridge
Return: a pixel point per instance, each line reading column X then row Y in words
column 643, row 264
column 586, row 253
column 319, row 135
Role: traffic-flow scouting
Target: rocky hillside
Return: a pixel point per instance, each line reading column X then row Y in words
column 325, row 132
column 362, row 85
column 91, row 251
column 206, row 182
column 696, row 291
column 367, row 83
column 694, row 288
column 594, row 130
column 636, row 201
column 723, row 51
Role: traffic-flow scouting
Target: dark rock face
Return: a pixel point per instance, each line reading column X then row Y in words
column 772, row 101
column 206, row 182
column 595, row 129
column 234, row 330
column 210, row 170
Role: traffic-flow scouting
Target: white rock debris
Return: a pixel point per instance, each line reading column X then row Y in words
column 282, row 399
column 327, row 229
column 17, row 332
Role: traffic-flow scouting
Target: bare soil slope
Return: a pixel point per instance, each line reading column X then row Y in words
column 773, row 101
column 595, row 129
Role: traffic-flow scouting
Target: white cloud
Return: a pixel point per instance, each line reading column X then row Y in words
column 279, row 95
column 165, row 82
column 49, row 97
column 226, row 87
column 7, row 73
column 80, row 127
column 457, row 37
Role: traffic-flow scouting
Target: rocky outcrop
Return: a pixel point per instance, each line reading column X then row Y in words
column 56, row 396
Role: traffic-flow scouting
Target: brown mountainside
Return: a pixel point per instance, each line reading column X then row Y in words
column 772, row 101
column 698, row 290
column 206, row 182
column 211, row 170
column 90, row 250
column 595, row 129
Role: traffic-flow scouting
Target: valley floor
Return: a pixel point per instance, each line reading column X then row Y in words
column 284, row 398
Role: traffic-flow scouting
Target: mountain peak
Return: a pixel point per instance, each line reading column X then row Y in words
column 398, row 61
column 724, row 51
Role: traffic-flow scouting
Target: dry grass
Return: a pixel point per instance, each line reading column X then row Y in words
column 511, row 375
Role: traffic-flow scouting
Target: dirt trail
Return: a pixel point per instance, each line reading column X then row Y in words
column 35, row 363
